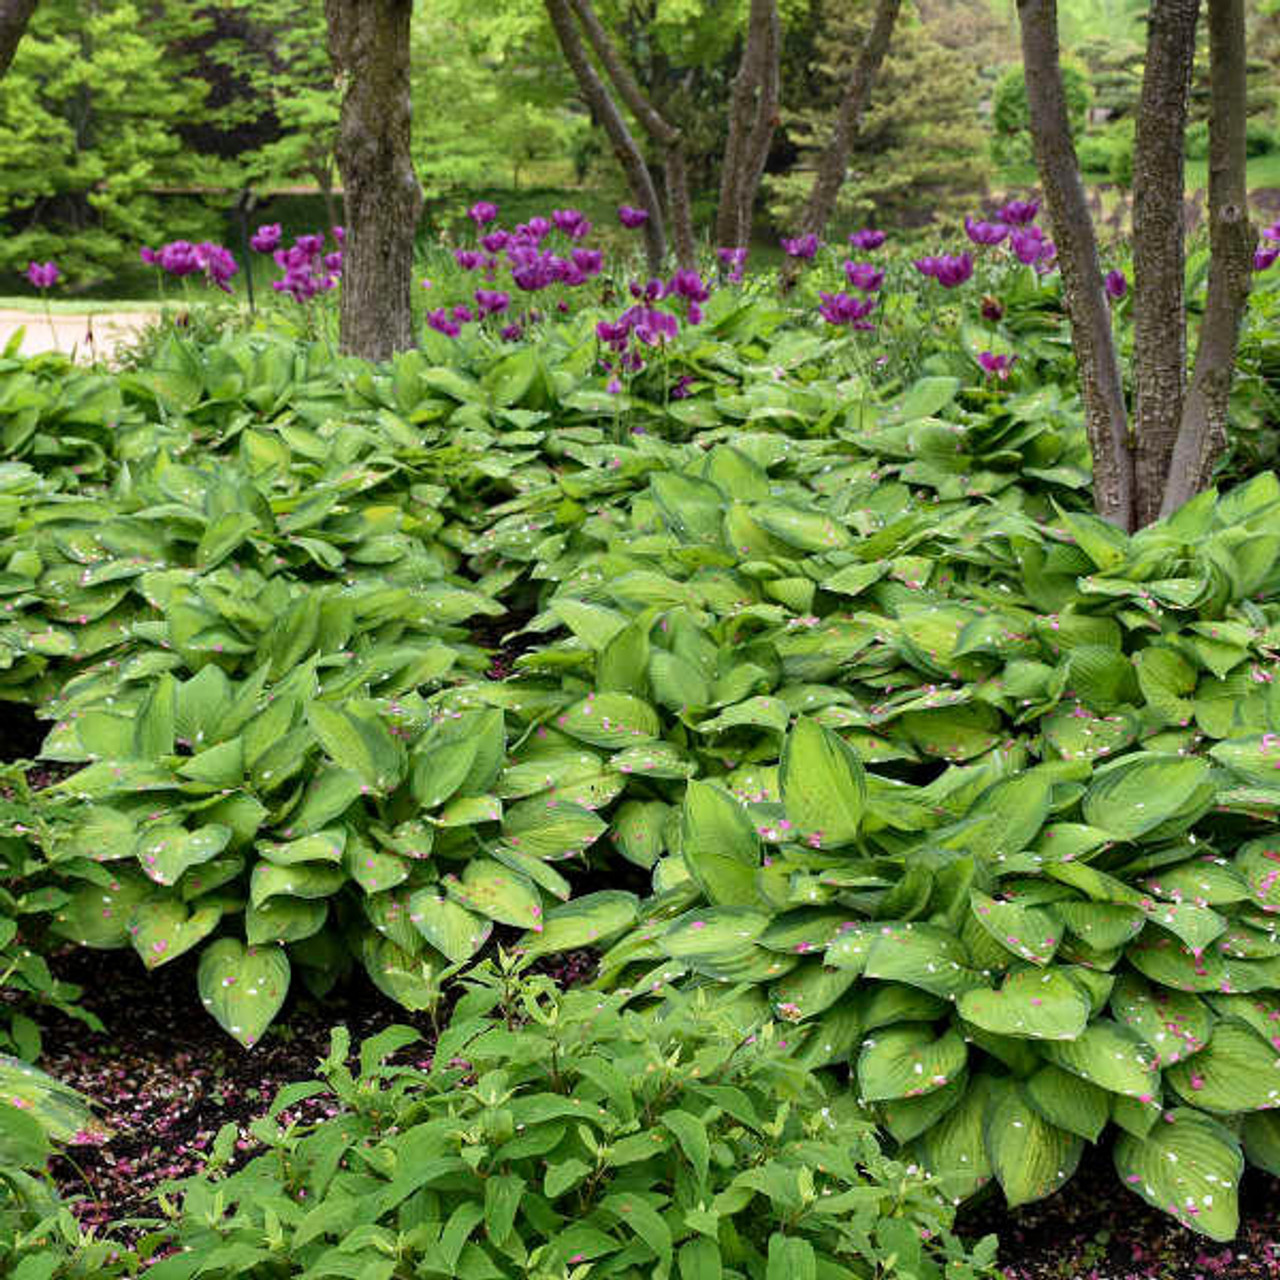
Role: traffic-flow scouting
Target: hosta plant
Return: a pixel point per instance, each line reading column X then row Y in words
column 560, row 1135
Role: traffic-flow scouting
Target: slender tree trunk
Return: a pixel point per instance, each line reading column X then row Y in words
column 1203, row 432
column 369, row 48
column 14, row 16
column 1159, row 259
column 833, row 163
column 753, row 117
column 661, row 130
column 603, row 107
column 1101, row 386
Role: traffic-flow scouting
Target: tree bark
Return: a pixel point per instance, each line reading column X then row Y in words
column 833, row 163
column 14, row 16
column 369, row 48
column 1101, row 386
column 603, row 107
column 753, row 117
column 1202, row 434
column 661, row 130
column 1159, row 257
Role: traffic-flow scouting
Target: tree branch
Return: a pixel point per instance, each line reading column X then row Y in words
column 14, row 16
column 606, row 111
column 1101, row 387
column 1159, row 257
column 1202, row 434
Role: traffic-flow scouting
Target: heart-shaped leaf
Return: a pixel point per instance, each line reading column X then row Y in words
column 243, row 987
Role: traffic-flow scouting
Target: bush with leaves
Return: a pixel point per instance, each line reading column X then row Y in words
column 560, row 1134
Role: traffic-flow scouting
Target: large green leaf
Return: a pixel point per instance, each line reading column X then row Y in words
column 1237, row 1071
column 1033, row 1004
column 1189, row 1167
column 824, row 787
column 1110, row 1056
column 907, row 1060
column 719, row 846
column 1136, row 795
column 243, row 987
column 1068, row 1101
column 163, row 930
column 1030, row 933
column 589, row 920
column 1031, row 1157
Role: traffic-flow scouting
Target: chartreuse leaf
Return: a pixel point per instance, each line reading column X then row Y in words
column 358, row 743
column 453, row 930
column 243, row 987
column 1260, row 1134
column 498, row 893
column 98, row 915
column 824, row 787
column 1189, row 1167
column 613, row 720
column 955, row 1148
column 1033, row 1004
column 1137, row 794
column 165, row 852
column 1237, row 1071
column 590, row 920
column 923, row 956
column 907, row 1060
column 1174, row 1023
column 1068, row 1101
column 165, row 929
column 1031, row 1157
column 1030, row 933
column 1110, row 1056
column 719, row 846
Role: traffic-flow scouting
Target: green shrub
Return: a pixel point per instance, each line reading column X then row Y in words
column 1010, row 117
column 1260, row 137
column 558, row 1134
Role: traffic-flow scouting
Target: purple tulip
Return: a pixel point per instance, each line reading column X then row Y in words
column 947, row 269
column 681, row 390
column 333, row 262
column 512, row 333
column 150, row 256
column 441, row 322
column 495, row 241
column 631, row 218
column 311, row 244
column 867, row 238
column 219, row 264
column 650, row 292
column 492, row 302
column 1115, row 284
column 463, row 314
column 483, row 212
column 1029, row 245
column 802, row 247
column 266, row 238
column 992, row 308
column 688, row 285
column 985, row 232
column 845, row 309
column 1019, row 212
column 44, row 275
column 538, row 229
column 469, row 259
column 1273, row 231
column 653, row 327
column 589, row 261
column 573, row 222
column 1263, row 258
column 864, row 275
column 996, row 365
column 339, row 235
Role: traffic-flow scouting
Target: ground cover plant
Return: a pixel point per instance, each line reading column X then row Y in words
column 822, row 692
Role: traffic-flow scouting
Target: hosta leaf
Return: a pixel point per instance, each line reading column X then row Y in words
column 638, row 830
column 1260, row 1134
column 613, row 720
column 1030, row 933
column 1032, row 1004
column 411, row 980
column 1101, row 924
column 302, row 880
column 321, row 846
column 243, row 987
column 1138, row 794
column 550, row 829
column 590, row 920
column 1237, row 1071
column 1110, row 1056
column 719, row 846
column 1258, row 862
column 497, row 893
column 713, row 931
column 955, row 1148
column 163, row 930
column 98, row 915
column 923, row 956
column 810, row 989
column 1189, row 1167
column 824, row 787
column 359, row 744
column 907, row 1060
column 453, row 930
column 374, row 869
column 1174, row 1023
column 1068, row 1101
column 284, row 920
column 1031, row 1157
column 908, row 1118
column 165, row 852
column 329, row 794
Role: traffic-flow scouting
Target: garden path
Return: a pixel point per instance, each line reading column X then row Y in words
column 87, row 335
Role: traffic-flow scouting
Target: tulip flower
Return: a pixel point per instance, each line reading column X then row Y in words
column 985, row 232
column 864, row 275
column 1019, row 212
column 867, row 238
column 631, row 218
column 802, row 247
column 996, row 365
column 483, row 212
column 1115, row 284
column 44, row 275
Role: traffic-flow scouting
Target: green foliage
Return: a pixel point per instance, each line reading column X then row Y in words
column 558, row 1131
column 1010, row 118
column 89, row 119
column 917, row 154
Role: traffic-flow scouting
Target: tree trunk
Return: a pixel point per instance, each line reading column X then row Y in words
column 14, row 16
column 661, row 130
column 1101, row 386
column 833, row 163
column 1159, row 324
column 1203, row 431
column 603, row 107
column 753, row 117
column 369, row 48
